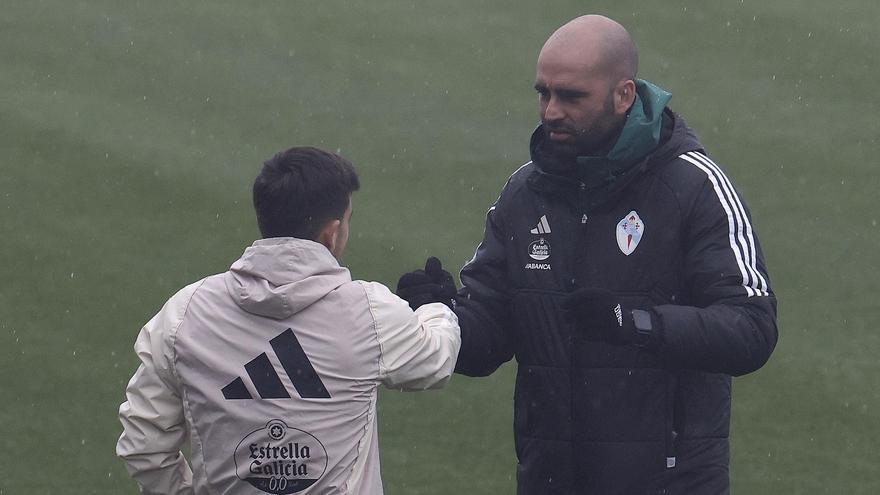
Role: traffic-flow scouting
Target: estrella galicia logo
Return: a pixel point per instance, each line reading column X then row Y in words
column 280, row 460
column 539, row 250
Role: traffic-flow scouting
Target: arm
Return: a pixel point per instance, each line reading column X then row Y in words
column 152, row 417
column 731, row 325
column 417, row 349
column 482, row 305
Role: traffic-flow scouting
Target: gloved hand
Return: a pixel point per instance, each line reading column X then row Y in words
column 433, row 284
column 599, row 316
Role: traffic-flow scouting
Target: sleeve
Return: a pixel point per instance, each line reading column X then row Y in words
column 731, row 327
column 483, row 304
column 154, row 428
column 417, row 350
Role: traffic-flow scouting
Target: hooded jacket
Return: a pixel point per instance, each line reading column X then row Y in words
column 665, row 231
column 270, row 373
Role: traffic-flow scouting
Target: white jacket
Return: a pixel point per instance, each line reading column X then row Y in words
column 269, row 372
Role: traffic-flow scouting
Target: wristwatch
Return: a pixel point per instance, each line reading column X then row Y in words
column 644, row 329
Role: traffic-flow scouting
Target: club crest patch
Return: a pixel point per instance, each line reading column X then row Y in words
column 539, row 250
column 629, row 232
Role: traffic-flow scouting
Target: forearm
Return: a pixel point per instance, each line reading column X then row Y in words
column 732, row 337
column 152, row 435
column 484, row 345
column 428, row 360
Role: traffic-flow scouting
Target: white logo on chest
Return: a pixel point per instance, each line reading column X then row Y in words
column 539, row 250
column 629, row 232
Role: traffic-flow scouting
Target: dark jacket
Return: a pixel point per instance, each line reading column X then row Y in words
column 593, row 418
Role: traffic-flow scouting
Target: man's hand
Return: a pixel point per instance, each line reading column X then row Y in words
column 599, row 316
column 433, row 284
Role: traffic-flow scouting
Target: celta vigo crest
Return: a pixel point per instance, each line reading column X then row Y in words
column 629, row 232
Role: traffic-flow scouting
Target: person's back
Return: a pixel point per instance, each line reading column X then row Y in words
column 270, row 373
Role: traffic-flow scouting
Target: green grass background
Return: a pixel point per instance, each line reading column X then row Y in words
column 131, row 131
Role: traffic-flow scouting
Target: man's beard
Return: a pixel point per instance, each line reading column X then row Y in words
column 595, row 141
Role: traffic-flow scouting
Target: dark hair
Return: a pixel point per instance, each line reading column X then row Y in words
column 299, row 190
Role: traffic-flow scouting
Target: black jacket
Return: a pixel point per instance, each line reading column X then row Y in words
column 592, row 418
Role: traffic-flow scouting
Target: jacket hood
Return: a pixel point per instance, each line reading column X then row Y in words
column 280, row 277
column 641, row 132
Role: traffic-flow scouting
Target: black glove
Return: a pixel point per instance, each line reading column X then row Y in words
column 599, row 316
column 433, row 284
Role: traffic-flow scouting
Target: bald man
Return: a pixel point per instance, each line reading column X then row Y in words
column 620, row 267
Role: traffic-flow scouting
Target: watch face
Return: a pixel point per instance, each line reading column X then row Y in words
column 642, row 320
column 644, row 331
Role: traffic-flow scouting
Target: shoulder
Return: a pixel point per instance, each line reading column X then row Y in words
column 174, row 310
column 694, row 175
column 383, row 303
column 518, row 179
column 514, row 188
column 157, row 338
column 693, row 182
column 682, row 162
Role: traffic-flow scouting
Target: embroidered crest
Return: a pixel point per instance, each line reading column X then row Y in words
column 629, row 232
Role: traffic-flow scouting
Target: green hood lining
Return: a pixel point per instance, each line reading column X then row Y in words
column 639, row 137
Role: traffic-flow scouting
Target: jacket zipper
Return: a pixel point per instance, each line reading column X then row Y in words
column 671, row 427
column 672, row 380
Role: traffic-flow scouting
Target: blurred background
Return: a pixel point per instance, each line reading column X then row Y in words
column 131, row 133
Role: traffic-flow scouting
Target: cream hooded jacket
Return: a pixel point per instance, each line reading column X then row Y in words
column 269, row 373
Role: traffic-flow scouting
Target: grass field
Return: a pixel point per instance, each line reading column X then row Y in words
column 131, row 131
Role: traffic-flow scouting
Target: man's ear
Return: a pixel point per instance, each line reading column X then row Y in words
column 624, row 96
column 329, row 235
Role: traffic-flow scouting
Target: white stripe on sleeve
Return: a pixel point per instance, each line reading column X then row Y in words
column 740, row 235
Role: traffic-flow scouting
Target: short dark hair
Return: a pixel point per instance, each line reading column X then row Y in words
column 300, row 189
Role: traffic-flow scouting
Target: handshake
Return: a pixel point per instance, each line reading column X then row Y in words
column 596, row 313
column 433, row 284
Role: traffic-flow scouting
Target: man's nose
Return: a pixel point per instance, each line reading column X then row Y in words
column 552, row 111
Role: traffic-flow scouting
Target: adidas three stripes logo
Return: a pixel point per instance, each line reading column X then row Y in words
column 266, row 380
column 543, row 226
